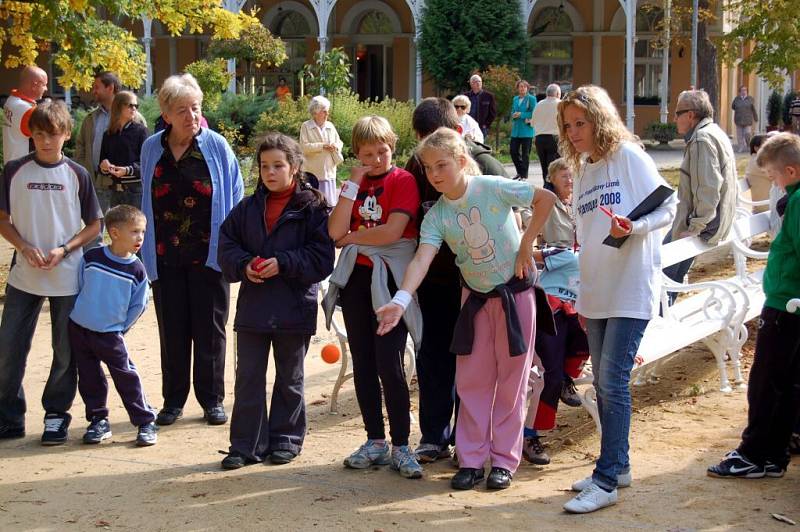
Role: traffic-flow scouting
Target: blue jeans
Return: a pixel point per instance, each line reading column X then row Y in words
column 613, row 343
column 677, row 271
column 20, row 314
column 104, row 199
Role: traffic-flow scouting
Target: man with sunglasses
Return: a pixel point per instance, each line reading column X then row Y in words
column 707, row 188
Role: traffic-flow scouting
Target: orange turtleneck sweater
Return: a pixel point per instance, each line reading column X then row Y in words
column 276, row 202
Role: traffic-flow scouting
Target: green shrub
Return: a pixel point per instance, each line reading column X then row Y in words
column 213, row 77
column 661, row 132
column 346, row 109
column 242, row 113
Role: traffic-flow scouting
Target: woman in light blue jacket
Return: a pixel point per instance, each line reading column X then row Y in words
column 190, row 182
column 521, row 130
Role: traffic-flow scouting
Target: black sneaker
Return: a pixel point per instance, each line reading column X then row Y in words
column 281, row 456
column 499, row 479
column 234, row 460
column 9, row 431
column 215, row 415
column 569, row 395
column 55, row 428
column 428, row 453
column 533, row 451
column 736, row 466
column 466, row 478
column 772, row 470
column 147, row 435
column 169, row 415
column 99, row 429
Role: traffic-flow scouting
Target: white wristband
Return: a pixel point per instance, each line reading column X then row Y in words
column 349, row 190
column 402, row 298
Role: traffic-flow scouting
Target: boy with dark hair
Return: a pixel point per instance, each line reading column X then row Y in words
column 113, row 294
column 773, row 389
column 44, row 199
column 439, row 294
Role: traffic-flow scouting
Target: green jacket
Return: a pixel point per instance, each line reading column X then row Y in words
column 83, row 150
column 782, row 276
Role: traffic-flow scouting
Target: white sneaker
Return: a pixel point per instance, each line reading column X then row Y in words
column 623, row 481
column 591, row 499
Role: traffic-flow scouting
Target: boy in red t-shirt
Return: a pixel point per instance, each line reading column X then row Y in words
column 377, row 207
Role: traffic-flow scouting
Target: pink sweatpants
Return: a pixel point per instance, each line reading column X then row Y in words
column 492, row 386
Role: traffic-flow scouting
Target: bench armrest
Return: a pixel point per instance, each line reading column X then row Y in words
column 721, row 302
column 739, row 247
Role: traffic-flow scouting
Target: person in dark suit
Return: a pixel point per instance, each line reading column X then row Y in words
column 483, row 107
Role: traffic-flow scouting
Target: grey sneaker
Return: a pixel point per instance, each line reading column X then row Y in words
column 147, row 435
column 404, row 461
column 590, row 499
column 430, row 452
column 623, row 481
column 533, row 451
column 99, row 429
column 370, row 453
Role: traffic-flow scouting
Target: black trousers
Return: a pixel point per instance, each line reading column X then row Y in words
column 256, row 431
column 520, row 154
column 377, row 360
column 773, row 393
column 436, row 365
column 547, row 152
column 192, row 309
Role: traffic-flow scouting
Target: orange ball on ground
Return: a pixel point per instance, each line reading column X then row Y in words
column 331, row 353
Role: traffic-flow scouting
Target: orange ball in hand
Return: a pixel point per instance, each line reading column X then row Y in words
column 331, row 353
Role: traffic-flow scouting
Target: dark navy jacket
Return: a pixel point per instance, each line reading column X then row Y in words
column 286, row 303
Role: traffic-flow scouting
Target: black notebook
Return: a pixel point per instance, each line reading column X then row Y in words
column 648, row 205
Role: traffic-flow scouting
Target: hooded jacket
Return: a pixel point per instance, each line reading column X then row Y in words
column 287, row 302
column 708, row 184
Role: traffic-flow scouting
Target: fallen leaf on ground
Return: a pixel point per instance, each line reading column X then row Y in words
column 783, row 519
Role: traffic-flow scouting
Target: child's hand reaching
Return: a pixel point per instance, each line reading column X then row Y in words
column 524, row 262
column 388, row 317
column 357, row 173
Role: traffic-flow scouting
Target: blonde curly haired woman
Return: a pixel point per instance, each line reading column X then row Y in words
column 619, row 286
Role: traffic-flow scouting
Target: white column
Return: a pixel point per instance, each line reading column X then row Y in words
column 417, row 69
column 630, row 35
column 665, row 63
column 322, row 8
column 147, row 24
column 68, row 97
column 323, row 43
column 234, row 6
column 597, row 57
column 693, row 71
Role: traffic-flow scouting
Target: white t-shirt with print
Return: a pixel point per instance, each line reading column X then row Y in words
column 622, row 282
column 480, row 229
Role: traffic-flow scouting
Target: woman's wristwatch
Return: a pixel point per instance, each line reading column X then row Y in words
column 66, row 249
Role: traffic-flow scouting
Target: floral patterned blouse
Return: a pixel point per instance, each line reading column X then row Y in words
column 181, row 206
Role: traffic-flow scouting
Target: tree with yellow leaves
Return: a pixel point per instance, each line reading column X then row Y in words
column 82, row 37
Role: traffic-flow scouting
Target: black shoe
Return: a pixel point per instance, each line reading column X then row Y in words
column 736, row 465
column 794, row 443
column 281, row 457
column 499, row 479
column 234, row 461
column 466, row 478
column 169, row 415
column 215, row 415
column 55, row 428
column 8, row 431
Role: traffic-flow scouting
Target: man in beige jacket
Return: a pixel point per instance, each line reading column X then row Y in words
column 708, row 181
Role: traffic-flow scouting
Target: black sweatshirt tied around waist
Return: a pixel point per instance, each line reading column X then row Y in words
column 464, row 332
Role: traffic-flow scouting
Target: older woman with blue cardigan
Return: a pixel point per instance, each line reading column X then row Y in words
column 190, row 180
column 521, row 130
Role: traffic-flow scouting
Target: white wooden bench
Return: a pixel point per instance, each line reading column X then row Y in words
column 341, row 336
column 715, row 312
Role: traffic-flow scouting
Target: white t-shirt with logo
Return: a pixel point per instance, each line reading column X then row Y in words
column 48, row 204
column 622, row 282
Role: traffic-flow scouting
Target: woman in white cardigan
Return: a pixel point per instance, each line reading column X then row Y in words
column 321, row 147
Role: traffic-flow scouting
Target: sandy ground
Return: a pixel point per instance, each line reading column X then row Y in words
column 680, row 426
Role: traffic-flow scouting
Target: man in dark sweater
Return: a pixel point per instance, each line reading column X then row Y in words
column 482, row 105
column 439, row 295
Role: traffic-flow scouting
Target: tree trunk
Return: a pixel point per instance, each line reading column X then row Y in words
column 707, row 62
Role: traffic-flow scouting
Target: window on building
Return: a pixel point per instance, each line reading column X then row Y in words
column 375, row 23
column 648, row 56
column 294, row 29
column 550, row 50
